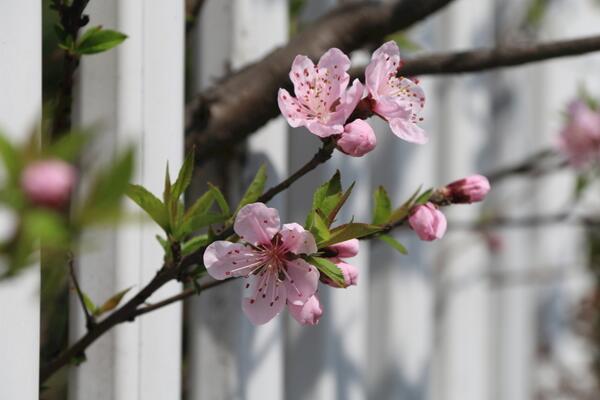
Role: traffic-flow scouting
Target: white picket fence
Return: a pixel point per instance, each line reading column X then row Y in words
column 430, row 325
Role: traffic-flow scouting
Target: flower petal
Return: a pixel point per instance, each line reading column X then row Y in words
column 408, row 131
column 336, row 63
column 302, row 281
column 322, row 130
column 291, row 109
column 388, row 49
column 264, row 297
column 226, row 259
column 302, row 73
column 297, row 240
column 307, row 313
column 256, row 223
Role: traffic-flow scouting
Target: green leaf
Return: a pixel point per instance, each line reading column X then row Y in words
column 149, row 203
column 194, row 244
column 111, row 303
column 200, row 206
column 46, row 226
column 348, row 231
column 393, row 243
column 10, row 156
column 325, row 198
column 200, row 221
column 89, row 304
column 383, row 206
column 97, row 40
column 333, row 213
column 68, row 147
column 402, row 211
column 424, row 197
column 184, row 178
column 320, row 228
column 329, row 269
column 163, row 243
column 256, row 188
column 167, row 192
column 223, row 205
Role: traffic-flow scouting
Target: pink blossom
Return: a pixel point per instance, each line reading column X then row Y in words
column 345, row 249
column 308, row 313
column 358, row 139
column 428, row 222
column 323, row 101
column 396, row 99
column 342, row 250
column 268, row 260
column 471, row 189
column 48, row 183
column 579, row 140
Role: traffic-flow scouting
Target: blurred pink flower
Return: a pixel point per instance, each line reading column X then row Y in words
column 268, row 260
column 48, row 183
column 428, row 222
column 396, row 99
column 358, row 139
column 308, row 313
column 342, row 250
column 323, row 101
column 579, row 140
column 471, row 189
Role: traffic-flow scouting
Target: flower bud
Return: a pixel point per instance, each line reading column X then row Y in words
column 468, row 190
column 48, row 183
column 428, row 222
column 357, row 139
column 350, row 273
column 579, row 140
column 346, row 249
column 307, row 313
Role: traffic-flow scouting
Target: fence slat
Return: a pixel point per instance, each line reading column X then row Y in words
column 20, row 109
column 135, row 93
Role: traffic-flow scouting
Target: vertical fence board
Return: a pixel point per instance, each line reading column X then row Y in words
column 20, row 108
column 135, row 94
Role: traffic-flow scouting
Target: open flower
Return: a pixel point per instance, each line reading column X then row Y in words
column 579, row 141
column 268, row 260
column 428, row 222
column 323, row 101
column 396, row 99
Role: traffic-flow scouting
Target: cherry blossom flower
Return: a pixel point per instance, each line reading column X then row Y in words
column 343, row 250
column 268, row 259
column 428, row 222
column 471, row 189
column 358, row 139
column 396, row 99
column 308, row 313
column 579, row 140
column 323, row 101
column 48, row 183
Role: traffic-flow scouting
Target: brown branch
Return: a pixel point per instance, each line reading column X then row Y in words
column 225, row 114
column 90, row 322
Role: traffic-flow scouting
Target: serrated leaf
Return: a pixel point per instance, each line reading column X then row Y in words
column 424, row 197
column 97, row 40
column 149, row 203
column 325, row 198
column 184, row 178
column 220, row 199
column 319, row 229
column 393, row 243
column 333, row 213
column 256, row 188
column 382, row 209
column 352, row 230
column 329, row 269
column 112, row 303
column 194, row 244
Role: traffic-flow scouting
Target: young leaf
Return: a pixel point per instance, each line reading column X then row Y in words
column 256, row 188
column 220, row 199
column 424, row 197
column 383, row 206
column 111, row 303
column 194, row 244
column 325, row 198
column 402, row 211
column 339, row 205
column 319, row 229
column 68, row 147
column 352, row 230
column 89, row 304
column 329, row 269
column 10, row 156
column 200, row 221
column 149, row 203
column 97, row 40
column 394, row 243
column 184, row 178
column 163, row 242
column 200, row 206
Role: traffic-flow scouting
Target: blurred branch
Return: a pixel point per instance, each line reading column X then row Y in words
column 541, row 162
column 192, row 11
column 227, row 113
column 526, row 222
column 90, row 322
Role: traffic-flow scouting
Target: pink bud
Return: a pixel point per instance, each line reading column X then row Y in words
column 48, row 183
column 428, row 222
column 357, row 139
column 468, row 190
column 579, row 140
column 307, row 313
column 350, row 273
column 346, row 249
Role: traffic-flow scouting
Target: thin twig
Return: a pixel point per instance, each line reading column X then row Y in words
column 90, row 321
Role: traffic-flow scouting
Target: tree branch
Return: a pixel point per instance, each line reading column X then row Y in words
column 90, row 322
column 227, row 113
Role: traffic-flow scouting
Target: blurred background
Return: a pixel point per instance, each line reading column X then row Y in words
column 506, row 307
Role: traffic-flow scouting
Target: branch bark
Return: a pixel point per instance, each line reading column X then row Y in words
column 225, row 114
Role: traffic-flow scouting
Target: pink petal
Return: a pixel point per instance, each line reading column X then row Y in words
column 323, row 130
column 388, row 49
column 302, row 73
column 346, row 249
column 291, row 109
column 297, row 240
column 336, row 63
column 385, row 61
column 351, row 99
column 262, row 306
column 307, row 313
column 408, row 131
column 224, row 259
column 256, row 223
column 301, row 282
